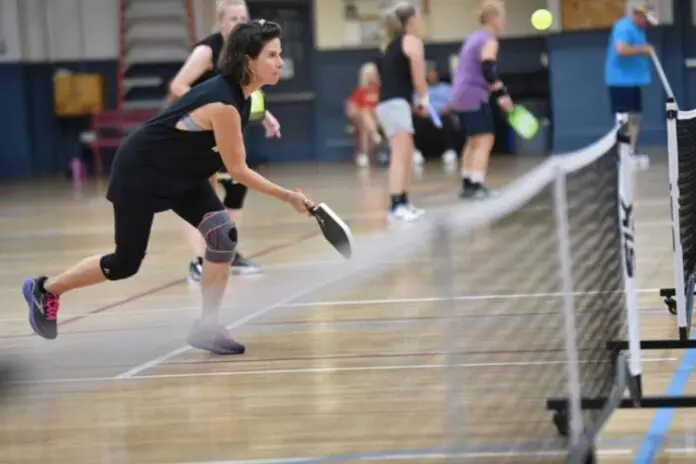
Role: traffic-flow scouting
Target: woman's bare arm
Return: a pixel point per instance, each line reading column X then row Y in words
column 227, row 127
column 200, row 61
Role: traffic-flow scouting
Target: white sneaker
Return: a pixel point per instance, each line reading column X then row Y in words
column 418, row 159
column 449, row 157
column 402, row 213
column 417, row 211
column 362, row 160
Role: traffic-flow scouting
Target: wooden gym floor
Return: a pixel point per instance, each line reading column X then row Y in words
column 337, row 373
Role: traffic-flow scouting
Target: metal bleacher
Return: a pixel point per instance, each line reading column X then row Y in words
column 156, row 36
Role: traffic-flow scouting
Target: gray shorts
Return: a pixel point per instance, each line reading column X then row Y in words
column 395, row 116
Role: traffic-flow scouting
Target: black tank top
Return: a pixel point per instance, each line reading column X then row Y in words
column 157, row 162
column 395, row 72
column 215, row 42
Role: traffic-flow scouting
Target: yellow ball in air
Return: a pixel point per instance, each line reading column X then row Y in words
column 542, row 19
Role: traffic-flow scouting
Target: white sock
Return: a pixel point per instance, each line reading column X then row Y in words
column 466, row 174
column 478, row 177
column 209, row 317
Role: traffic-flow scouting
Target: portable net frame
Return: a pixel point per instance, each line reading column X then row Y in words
column 492, row 342
column 531, row 286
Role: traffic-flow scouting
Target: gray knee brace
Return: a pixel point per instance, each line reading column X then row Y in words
column 220, row 236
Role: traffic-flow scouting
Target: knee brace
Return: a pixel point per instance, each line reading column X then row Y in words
column 220, row 236
column 234, row 194
column 120, row 265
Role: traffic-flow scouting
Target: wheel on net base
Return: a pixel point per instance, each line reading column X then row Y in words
column 560, row 420
column 591, row 457
column 671, row 305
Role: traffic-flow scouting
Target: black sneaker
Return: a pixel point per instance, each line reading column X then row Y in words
column 480, row 192
column 467, row 189
column 474, row 191
column 195, row 270
column 213, row 338
column 242, row 266
column 43, row 308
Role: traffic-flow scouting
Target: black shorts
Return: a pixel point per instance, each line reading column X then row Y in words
column 625, row 99
column 477, row 122
column 132, row 222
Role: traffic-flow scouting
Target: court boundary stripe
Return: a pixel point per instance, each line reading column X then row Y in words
column 662, row 420
column 398, row 456
column 308, row 370
column 355, row 302
column 165, row 286
column 249, row 317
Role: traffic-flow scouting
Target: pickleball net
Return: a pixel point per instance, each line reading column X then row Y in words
column 681, row 135
column 456, row 330
column 444, row 338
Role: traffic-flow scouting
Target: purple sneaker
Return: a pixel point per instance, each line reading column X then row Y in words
column 43, row 308
column 213, row 338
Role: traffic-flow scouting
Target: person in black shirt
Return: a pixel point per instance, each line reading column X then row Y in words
column 200, row 66
column 402, row 70
column 165, row 165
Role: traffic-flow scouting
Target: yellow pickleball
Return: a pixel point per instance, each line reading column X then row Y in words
column 542, row 19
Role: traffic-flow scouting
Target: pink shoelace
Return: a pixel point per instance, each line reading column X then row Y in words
column 51, row 305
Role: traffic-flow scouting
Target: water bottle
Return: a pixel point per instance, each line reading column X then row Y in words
column 77, row 170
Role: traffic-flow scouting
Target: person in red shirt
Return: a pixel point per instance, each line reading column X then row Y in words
column 360, row 110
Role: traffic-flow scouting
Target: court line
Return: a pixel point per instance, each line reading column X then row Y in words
column 284, row 304
column 151, row 291
column 662, row 420
column 311, row 370
column 435, row 299
column 398, row 456
column 357, row 302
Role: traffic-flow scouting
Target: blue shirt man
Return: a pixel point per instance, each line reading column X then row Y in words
column 439, row 95
column 627, row 65
column 627, row 69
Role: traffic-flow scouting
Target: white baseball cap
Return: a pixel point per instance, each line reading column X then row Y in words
column 646, row 9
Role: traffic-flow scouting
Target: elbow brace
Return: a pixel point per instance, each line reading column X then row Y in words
column 490, row 73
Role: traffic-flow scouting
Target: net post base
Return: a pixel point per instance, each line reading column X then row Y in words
column 668, row 295
column 646, row 402
column 620, row 345
column 560, row 406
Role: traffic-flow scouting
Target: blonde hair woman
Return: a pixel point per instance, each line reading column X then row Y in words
column 402, row 71
column 360, row 107
column 200, row 66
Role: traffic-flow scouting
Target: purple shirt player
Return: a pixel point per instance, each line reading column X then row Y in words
column 470, row 89
column 475, row 81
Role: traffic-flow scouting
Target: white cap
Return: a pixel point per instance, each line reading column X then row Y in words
column 646, row 9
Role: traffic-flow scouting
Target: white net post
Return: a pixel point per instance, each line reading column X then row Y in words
column 674, row 195
column 570, row 326
column 661, row 74
column 628, row 249
column 444, row 275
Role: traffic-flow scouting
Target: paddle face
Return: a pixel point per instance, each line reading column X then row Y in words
column 523, row 122
column 435, row 117
column 335, row 231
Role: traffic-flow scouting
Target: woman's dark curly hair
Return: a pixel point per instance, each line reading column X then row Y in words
column 245, row 42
